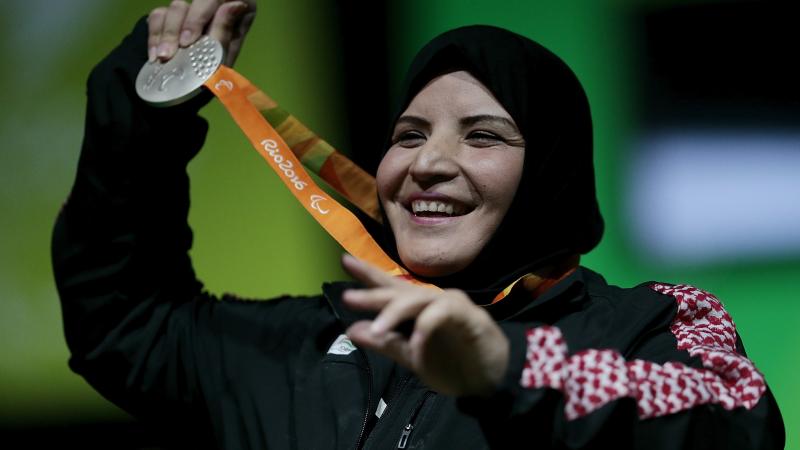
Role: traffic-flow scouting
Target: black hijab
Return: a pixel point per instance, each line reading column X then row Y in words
column 554, row 212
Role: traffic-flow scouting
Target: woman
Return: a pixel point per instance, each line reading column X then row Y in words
column 486, row 180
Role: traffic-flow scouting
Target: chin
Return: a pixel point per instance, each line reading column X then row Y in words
column 432, row 266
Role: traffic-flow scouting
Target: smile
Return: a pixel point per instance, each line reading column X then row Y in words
column 435, row 208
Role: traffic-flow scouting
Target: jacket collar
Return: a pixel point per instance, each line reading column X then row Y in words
column 333, row 293
column 572, row 289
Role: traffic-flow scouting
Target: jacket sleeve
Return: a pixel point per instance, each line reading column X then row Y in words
column 685, row 384
column 120, row 242
column 138, row 325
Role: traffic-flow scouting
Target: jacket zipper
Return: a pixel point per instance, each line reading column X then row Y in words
column 360, row 440
column 406, row 434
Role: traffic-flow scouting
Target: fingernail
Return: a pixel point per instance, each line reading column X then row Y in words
column 151, row 54
column 376, row 327
column 186, row 37
column 164, row 50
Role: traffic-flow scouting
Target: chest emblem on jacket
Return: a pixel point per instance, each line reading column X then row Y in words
column 341, row 346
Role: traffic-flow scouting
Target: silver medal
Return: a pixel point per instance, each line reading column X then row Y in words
column 182, row 77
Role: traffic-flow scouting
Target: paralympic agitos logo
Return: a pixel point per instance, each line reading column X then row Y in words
column 286, row 166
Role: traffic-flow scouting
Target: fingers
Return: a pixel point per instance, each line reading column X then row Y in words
column 391, row 344
column 181, row 24
column 398, row 306
column 455, row 346
column 397, row 300
column 452, row 304
column 368, row 299
column 225, row 22
column 428, row 321
column 366, row 273
column 155, row 23
column 398, row 311
column 395, row 305
column 235, row 45
column 199, row 15
column 452, row 309
column 173, row 22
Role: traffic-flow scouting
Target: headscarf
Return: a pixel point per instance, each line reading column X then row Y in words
column 554, row 213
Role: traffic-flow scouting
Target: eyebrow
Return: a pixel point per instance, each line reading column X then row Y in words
column 464, row 121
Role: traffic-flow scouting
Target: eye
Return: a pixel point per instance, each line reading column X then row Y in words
column 484, row 137
column 409, row 138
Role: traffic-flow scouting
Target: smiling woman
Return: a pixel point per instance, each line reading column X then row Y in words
column 450, row 175
column 487, row 191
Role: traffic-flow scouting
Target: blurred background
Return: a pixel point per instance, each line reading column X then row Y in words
column 696, row 109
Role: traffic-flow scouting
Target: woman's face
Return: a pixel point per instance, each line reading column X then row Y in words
column 450, row 175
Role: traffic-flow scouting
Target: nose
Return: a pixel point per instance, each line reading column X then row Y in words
column 435, row 161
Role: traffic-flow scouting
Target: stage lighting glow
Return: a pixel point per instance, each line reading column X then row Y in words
column 697, row 197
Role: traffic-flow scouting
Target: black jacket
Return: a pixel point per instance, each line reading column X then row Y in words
column 592, row 365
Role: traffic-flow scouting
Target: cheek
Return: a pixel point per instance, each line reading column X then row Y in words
column 498, row 175
column 390, row 174
column 508, row 188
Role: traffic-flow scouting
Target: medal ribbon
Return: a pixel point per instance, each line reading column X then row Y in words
column 341, row 174
column 234, row 91
column 250, row 108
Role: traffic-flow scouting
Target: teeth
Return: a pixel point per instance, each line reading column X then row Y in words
column 418, row 206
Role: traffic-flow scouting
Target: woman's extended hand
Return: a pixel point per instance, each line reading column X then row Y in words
column 456, row 348
column 181, row 24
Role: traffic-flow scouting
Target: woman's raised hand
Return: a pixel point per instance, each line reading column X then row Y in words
column 181, row 23
column 456, row 348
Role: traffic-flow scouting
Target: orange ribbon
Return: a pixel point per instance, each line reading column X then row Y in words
column 237, row 94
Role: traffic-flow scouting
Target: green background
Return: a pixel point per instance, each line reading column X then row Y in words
column 250, row 238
